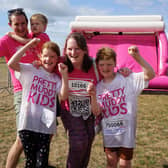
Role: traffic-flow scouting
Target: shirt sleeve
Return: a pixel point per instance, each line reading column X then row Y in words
column 138, row 82
column 59, row 83
column 43, row 38
column 25, row 69
column 3, row 47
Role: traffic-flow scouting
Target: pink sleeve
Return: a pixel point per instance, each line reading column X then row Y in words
column 3, row 47
column 43, row 38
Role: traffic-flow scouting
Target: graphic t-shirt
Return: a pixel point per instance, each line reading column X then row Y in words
column 78, row 102
column 118, row 100
column 8, row 47
column 38, row 107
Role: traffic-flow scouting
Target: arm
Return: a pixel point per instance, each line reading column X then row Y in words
column 63, row 69
column 15, row 59
column 147, row 68
column 18, row 38
column 95, row 107
column 125, row 71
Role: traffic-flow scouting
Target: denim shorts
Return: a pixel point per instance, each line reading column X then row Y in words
column 17, row 105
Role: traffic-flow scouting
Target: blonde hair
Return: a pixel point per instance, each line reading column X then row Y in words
column 40, row 17
column 105, row 53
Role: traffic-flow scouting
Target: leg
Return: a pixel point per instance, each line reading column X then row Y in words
column 29, row 146
column 78, row 144
column 91, row 134
column 78, row 139
column 42, row 153
column 125, row 163
column 14, row 154
column 112, row 158
column 17, row 148
column 126, row 155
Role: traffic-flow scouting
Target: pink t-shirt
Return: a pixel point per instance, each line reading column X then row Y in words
column 78, row 102
column 8, row 47
column 43, row 38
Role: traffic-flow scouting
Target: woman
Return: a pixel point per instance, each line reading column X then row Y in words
column 77, row 114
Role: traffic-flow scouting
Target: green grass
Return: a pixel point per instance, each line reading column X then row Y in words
column 151, row 143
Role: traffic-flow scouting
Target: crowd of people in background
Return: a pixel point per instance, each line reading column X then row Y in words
column 73, row 79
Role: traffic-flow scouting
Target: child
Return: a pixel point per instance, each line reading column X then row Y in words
column 117, row 96
column 38, row 107
column 38, row 23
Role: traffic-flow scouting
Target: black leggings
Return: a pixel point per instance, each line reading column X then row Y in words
column 36, row 148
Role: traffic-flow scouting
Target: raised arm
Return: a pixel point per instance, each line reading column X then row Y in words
column 95, row 107
column 63, row 69
column 15, row 59
column 147, row 68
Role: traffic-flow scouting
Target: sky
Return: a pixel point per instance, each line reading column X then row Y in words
column 61, row 12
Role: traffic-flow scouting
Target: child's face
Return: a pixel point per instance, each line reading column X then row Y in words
column 37, row 26
column 49, row 59
column 106, row 68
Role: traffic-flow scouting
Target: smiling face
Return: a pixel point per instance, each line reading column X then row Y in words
column 49, row 59
column 106, row 60
column 19, row 25
column 106, row 68
column 74, row 53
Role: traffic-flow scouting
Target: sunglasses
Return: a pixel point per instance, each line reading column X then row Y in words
column 17, row 10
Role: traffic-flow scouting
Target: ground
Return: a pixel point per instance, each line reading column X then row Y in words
column 151, row 145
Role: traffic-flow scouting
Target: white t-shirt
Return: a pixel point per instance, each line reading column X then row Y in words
column 119, row 103
column 38, row 107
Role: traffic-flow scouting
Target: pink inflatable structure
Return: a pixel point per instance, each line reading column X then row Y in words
column 119, row 32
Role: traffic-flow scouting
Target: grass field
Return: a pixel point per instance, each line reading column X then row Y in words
column 152, row 135
column 152, row 132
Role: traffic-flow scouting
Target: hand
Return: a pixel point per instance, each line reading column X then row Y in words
column 37, row 64
column 63, row 69
column 9, row 34
column 91, row 89
column 33, row 42
column 133, row 51
column 125, row 71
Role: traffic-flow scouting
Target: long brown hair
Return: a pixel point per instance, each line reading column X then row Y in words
column 81, row 42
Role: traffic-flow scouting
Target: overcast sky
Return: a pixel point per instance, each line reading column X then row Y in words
column 61, row 12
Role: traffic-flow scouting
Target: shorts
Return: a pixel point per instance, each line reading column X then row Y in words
column 17, row 105
column 123, row 153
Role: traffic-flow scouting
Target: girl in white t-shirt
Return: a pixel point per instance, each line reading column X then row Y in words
column 37, row 119
column 117, row 96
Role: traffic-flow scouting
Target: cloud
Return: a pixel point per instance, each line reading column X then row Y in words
column 136, row 5
column 50, row 7
column 144, row 5
column 59, row 13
